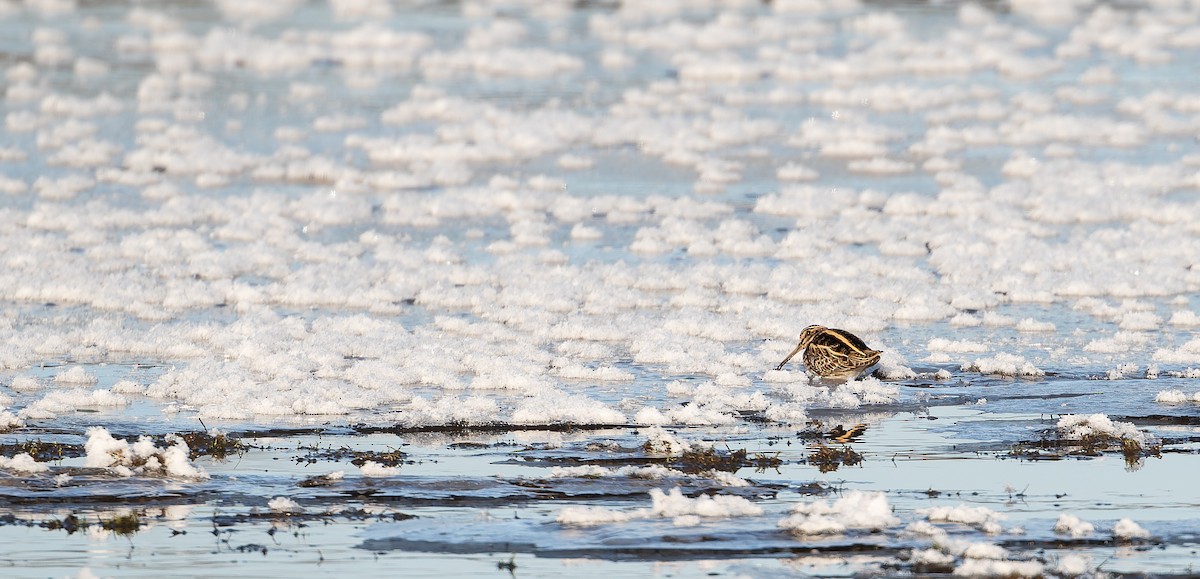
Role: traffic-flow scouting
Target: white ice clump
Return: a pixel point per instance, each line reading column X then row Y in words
column 1079, row 426
column 649, row 416
column 986, row 567
column 9, row 421
column 713, row 403
column 787, row 413
column 981, row 518
column 1185, row 318
column 141, row 457
column 857, row 510
column 892, row 367
column 978, row 559
column 75, row 376
column 685, row 511
column 726, row 479
column 23, row 463
column 980, row 550
column 660, row 441
column 1127, row 530
column 592, row 516
column 955, row 346
column 675, row 504
column 933, row 557
column 1072, row 526
column 1032, row 325
column 26, row 384
column 1121, row 371
column 647, row 472
column 284, row 505
column 371, row 468
column 1175, row 397
column 557, row 406
column 796, row 172
column 449, row 408
column 1073, row 565
column 1004, row 364
column 851, row 394
column 880, row 166
column 57, row 402
column 1188, row 353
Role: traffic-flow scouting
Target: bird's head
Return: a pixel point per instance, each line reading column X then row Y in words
column 808, row 334
column 806, row 338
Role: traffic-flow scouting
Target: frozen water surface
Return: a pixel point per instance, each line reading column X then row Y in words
column 380, row 288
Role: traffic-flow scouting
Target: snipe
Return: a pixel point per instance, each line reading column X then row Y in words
column 833, row 353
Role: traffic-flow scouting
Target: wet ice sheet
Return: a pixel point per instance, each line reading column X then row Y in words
column 357, row 219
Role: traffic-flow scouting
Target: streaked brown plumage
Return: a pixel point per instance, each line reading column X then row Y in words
column 833, row 353
column 843, row 436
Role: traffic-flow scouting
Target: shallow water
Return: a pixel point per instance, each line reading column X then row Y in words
column 537, row 260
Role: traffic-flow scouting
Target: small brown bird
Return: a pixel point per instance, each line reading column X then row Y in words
column 833, row 353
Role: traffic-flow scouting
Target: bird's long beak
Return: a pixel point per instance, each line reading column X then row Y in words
column 789, row 357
